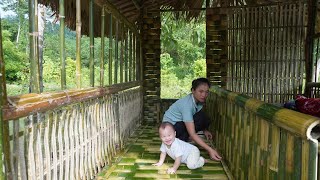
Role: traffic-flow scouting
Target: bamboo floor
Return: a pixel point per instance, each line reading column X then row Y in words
column 142, row 150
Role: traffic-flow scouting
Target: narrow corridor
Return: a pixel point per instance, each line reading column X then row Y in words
column 142, row 150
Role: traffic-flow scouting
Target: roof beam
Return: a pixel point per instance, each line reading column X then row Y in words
column 115, row 12
column 136, row 4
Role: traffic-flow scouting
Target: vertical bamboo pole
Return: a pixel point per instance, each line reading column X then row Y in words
column 2, row 101
column 62, row 45
column 33, row 56
column 78, row 43
column 102, row 47
column 91, row 64
column 130, row 55
column 134, row 50
column 126, row 35
column 110, row 49
column 116, row 60
column 122, row 52
column 312, row 9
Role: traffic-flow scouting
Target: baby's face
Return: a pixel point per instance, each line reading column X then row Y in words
column 167, row 135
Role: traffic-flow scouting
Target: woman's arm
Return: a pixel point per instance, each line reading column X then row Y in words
column 192, row 133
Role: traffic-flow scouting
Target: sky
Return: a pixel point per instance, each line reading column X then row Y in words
column 5, row 13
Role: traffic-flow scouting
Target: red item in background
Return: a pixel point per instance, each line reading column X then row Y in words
column 308, row 105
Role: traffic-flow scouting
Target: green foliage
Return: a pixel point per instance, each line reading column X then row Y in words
column 199, row 68
column 183, row 55
column 15, row 61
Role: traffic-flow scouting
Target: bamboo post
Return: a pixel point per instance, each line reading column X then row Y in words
column 78, row 43
column 130, row 55
column 126, row 36
column 102, row 47
column 134, row 52
column 312, row 9
column 2, row 101
column 110, row 49
column 116, row 60
column 122, row 53
column 91, row 64
column 62, row 45
column 34, row 55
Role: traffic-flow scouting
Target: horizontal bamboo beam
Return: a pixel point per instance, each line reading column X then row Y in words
column 293, row 121
column 115, row 12
column 24, row 105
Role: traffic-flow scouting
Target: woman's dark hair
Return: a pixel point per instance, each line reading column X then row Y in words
column 198, row 82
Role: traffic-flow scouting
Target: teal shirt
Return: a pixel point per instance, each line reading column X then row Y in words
column 182, row 110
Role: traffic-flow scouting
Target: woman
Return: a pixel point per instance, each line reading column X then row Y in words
column 187, row 117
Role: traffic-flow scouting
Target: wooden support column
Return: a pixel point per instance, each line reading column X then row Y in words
column 151, row 63
column 216, row 49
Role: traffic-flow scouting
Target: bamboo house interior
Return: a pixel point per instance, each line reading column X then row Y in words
column 259, row 54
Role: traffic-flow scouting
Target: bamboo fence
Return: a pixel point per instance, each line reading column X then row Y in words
column 258, row 50
column 262, row 141
column 72, row 141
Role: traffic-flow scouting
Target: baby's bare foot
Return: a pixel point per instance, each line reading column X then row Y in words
column 206, row 160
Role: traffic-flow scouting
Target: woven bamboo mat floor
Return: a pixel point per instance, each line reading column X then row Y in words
column 142, row 151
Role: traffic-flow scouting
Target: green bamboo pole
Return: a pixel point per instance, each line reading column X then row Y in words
column 116, row 61
column 134, row 51
column 126, row 35
column 122, row 53
column 33, row 55
column 62, row 45
column 2, row 101
column 91, row 61
column 110, row 49
column 130, row 56
column 78, row 43
column 102, row 47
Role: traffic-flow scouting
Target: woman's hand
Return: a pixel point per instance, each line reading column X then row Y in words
column 208, row 134
column 214, row 155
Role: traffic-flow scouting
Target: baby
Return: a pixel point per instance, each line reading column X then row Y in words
column 180, row 151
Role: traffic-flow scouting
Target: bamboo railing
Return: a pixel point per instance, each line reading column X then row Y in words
column 72, row 134
column 262, row 141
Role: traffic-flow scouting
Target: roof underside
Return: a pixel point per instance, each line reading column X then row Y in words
column 131, row 9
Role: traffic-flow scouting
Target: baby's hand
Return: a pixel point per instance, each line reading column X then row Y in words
column 157, row 164
column 171, row 170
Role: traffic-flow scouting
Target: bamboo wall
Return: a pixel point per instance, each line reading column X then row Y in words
column 261, row 141
column 265, row 49
column 216, row 46
column 73, row 141
column 151, row 63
